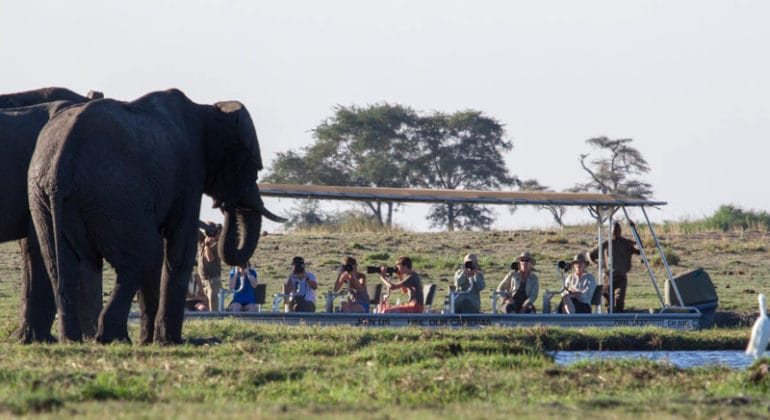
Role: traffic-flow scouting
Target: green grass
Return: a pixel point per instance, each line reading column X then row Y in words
column 272, row 370
column 249, row 370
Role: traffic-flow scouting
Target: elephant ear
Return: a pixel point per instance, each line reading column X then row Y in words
column 233, row 153
column 245, row 134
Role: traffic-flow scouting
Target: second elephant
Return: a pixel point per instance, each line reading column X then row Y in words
column 22, row 116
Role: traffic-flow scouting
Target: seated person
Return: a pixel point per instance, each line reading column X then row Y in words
column 409, row 283
column 522, row 286
column 196, row 298
column 578, row 288
column 469, row 281
column 349, row 278
column 301, row 284
column 243, row 281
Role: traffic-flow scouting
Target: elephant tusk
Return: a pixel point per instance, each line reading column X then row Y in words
column 267, row 213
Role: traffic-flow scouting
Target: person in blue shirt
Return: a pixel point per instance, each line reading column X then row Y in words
column 243, row 281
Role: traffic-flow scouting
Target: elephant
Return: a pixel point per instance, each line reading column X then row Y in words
column 123, row 181
column 22, row 117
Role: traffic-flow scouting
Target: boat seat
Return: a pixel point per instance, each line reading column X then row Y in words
column 428, row 293
column 374, row 291
column 260, row 292
column 596, row 299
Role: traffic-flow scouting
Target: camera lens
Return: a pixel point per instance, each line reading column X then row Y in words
column 469, row 264
column 515, row 266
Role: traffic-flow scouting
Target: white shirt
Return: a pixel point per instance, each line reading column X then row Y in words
column 301, row 286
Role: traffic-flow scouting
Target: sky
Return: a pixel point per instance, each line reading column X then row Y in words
column 687, row 80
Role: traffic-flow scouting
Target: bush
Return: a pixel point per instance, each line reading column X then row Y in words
column 731, row 217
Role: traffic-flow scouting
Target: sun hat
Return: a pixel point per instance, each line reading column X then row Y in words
column 527, row 256
column 581, row 258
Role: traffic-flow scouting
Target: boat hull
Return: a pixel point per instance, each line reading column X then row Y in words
column 676, row 321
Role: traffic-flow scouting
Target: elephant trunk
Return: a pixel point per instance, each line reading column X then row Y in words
column 242, row 228
column 240, row 235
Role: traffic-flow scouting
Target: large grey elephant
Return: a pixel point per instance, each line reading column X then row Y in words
column 22, row 117
column 123, row 181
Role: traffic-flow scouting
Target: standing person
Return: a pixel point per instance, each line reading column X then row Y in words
column 523, row 286
column 243, row 281
column 210, row 266
column 469, row 280
column 302, row 284
column 578, row 288
column 622, row 251
column 409, row 283
column 355, row 282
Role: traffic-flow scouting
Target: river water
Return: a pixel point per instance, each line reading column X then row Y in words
column 734, row 359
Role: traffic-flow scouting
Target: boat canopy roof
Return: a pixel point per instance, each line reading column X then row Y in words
column 417, row 195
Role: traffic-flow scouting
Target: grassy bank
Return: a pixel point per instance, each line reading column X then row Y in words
column 248, row 370
column 258, row 370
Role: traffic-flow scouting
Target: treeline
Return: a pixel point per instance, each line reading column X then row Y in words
column 386, row 145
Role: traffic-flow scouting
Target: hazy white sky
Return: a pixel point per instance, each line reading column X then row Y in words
column 687, row 80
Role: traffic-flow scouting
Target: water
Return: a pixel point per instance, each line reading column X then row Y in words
column 733, row 359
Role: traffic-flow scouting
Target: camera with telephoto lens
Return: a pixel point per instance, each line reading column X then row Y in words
column 515, row 266
column 564, row 265
column 347, row 267
column 373, row 270
column 469, row 265
column 211, row 230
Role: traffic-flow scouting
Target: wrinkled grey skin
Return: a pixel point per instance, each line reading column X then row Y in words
column 123, row 181
column 23, row 116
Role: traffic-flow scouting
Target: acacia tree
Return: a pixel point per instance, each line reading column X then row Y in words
column 463, row 150
column 356, row 147
column 614, row 170
column 557, row 212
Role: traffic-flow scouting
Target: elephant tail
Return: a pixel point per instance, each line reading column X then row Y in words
column 64, row 272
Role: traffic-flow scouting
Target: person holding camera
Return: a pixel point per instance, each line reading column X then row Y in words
column 522, row 285
column 409, row 283
column 578, row 288
column 349, row 278
column 300, row 286
column 243, row 281
column 469, row 281
column 209, row 264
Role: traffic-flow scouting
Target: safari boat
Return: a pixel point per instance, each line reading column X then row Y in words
column 687, row 302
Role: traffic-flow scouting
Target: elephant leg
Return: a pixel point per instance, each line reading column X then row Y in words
column 113, row 323
column 168, row 325
column 177, row 271
column 135, row 271
column 149, row 299
column 90, row 291
column 38, row 307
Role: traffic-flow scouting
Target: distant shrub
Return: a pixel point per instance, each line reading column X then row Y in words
column 314, row 221
column 672, row 257
column 377, row 256
column 731, row 217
